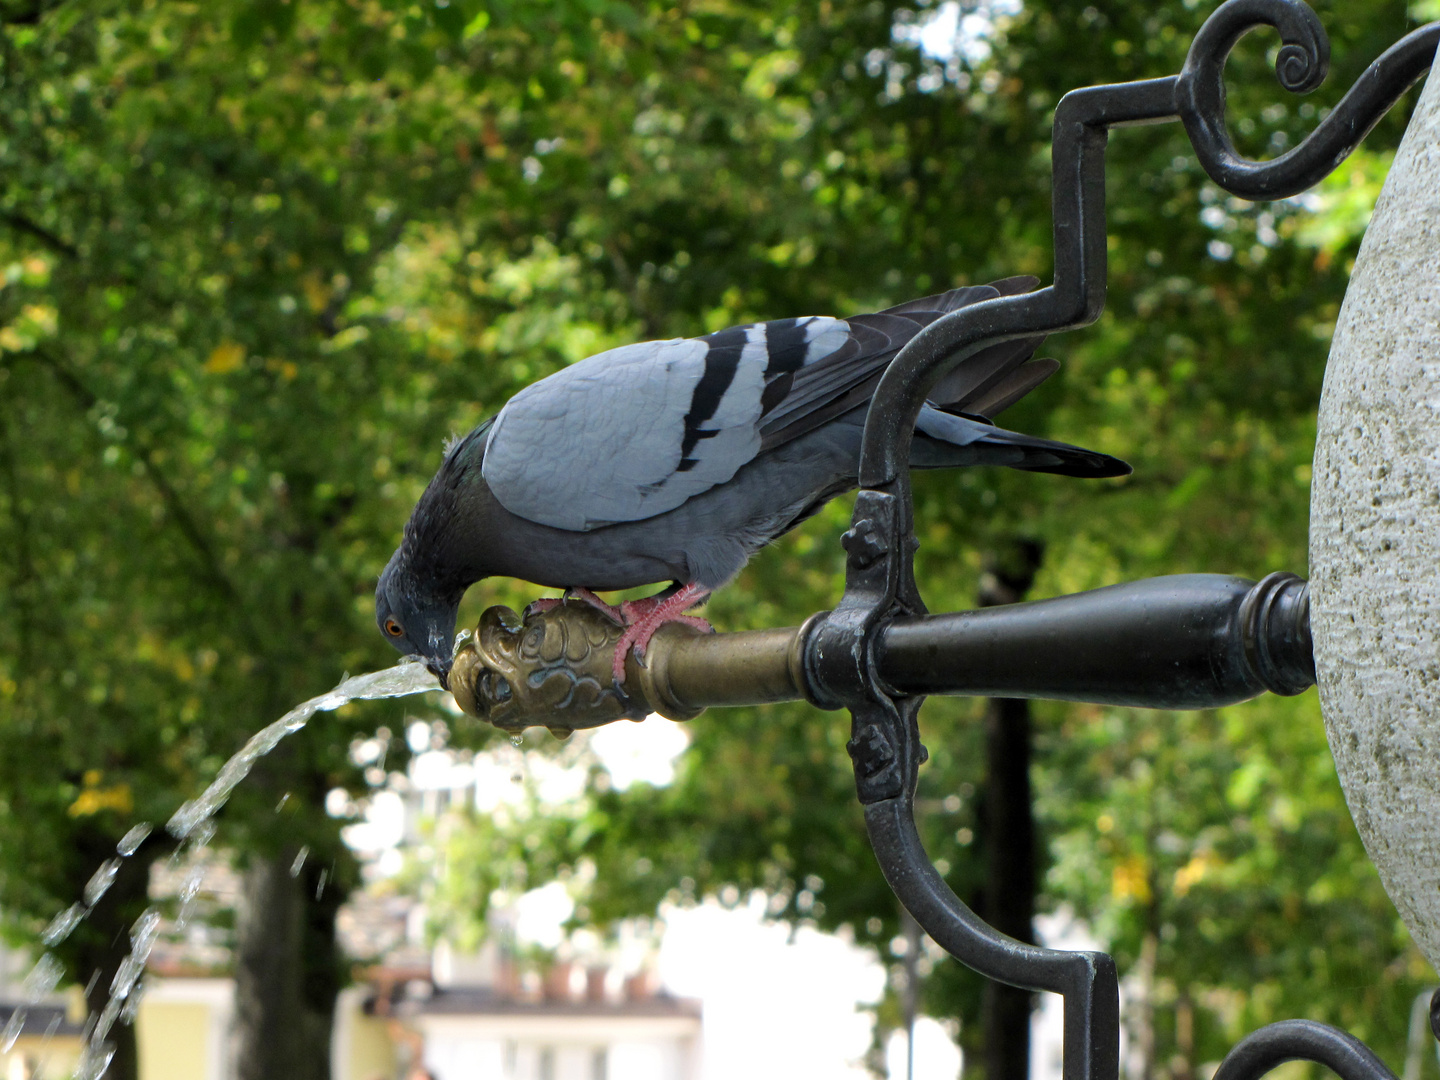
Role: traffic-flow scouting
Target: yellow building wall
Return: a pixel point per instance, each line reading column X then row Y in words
column 371, row 1052
column 174, row 1040
column 56, row 1056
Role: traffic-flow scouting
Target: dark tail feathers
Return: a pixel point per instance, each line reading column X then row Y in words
column 1032, row 454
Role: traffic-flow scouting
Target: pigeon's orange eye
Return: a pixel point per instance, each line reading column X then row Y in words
column 393, row 628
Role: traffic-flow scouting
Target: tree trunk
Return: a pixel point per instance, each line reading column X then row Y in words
column 267, row 971
column 288, row 969
column 1010, row 871
column 322, row 966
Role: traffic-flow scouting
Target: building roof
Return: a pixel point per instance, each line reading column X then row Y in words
column 488, row 1001
column 41, row 1019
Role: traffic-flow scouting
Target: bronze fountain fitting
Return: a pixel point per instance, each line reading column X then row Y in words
column 1192, row 641
column 553, row 668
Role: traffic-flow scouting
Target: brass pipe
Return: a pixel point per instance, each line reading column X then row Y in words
column 690, row 671
column 1191, row 641
column 554, row 668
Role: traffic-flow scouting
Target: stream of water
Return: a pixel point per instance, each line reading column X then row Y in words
column 193, row 826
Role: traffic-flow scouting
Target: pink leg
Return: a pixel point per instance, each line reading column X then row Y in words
column 546, row 603
column 644, row 617
column 598, row 604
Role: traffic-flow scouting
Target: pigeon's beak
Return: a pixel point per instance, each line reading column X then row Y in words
column 441, row 673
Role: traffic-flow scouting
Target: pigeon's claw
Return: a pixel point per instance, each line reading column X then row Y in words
column 549, row 602
column 644, row 617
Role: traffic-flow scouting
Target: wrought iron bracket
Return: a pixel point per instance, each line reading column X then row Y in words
column 840, row 653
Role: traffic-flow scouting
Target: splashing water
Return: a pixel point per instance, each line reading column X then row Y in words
column 299, row 863
column 100, row 882
column 193, row 826
column 60, row 926
column 94, row 1061
column 131, row 841
column 407, row 677
column 98, row 1052
column 43, row 978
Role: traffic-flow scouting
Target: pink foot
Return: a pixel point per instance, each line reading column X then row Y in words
column 549, row 602
column 635, row 610
column 644, row 617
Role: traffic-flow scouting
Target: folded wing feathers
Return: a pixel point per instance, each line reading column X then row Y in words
column 671, row 419
column 999, row 397
column 945, row 302
column 844, row 379
column 982, row 372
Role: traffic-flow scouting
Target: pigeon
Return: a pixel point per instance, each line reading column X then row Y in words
column 675, row 461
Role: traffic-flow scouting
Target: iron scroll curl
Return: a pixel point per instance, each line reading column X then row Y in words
column 1300, row 67
column 840, row 650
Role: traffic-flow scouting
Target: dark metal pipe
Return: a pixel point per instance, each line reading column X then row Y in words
column 1191, row 641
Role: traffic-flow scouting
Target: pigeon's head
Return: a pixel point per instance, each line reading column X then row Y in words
column 416, row 617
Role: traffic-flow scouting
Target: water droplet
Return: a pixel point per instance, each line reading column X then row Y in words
column 60, row 926
column 100, row 882
column 126, row 975
column 320, row 888
column 189, row 890
column 104, row 1023
column 517, row 740
column 96, row 1060
column 12, row 1030
column 190, row 887
column 299, row 863
column 43, row 977
column 203, row 834
column 283, row 800
column 144, row 932
column 183, row 820
column 131, row 841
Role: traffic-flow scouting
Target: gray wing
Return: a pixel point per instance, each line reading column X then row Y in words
column 636, row 431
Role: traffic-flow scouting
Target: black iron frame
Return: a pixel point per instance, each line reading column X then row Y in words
column 841, row 650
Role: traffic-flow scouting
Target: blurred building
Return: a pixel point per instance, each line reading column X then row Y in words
column 475, row 1017
column 459, row 1018
column 412, row 1010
